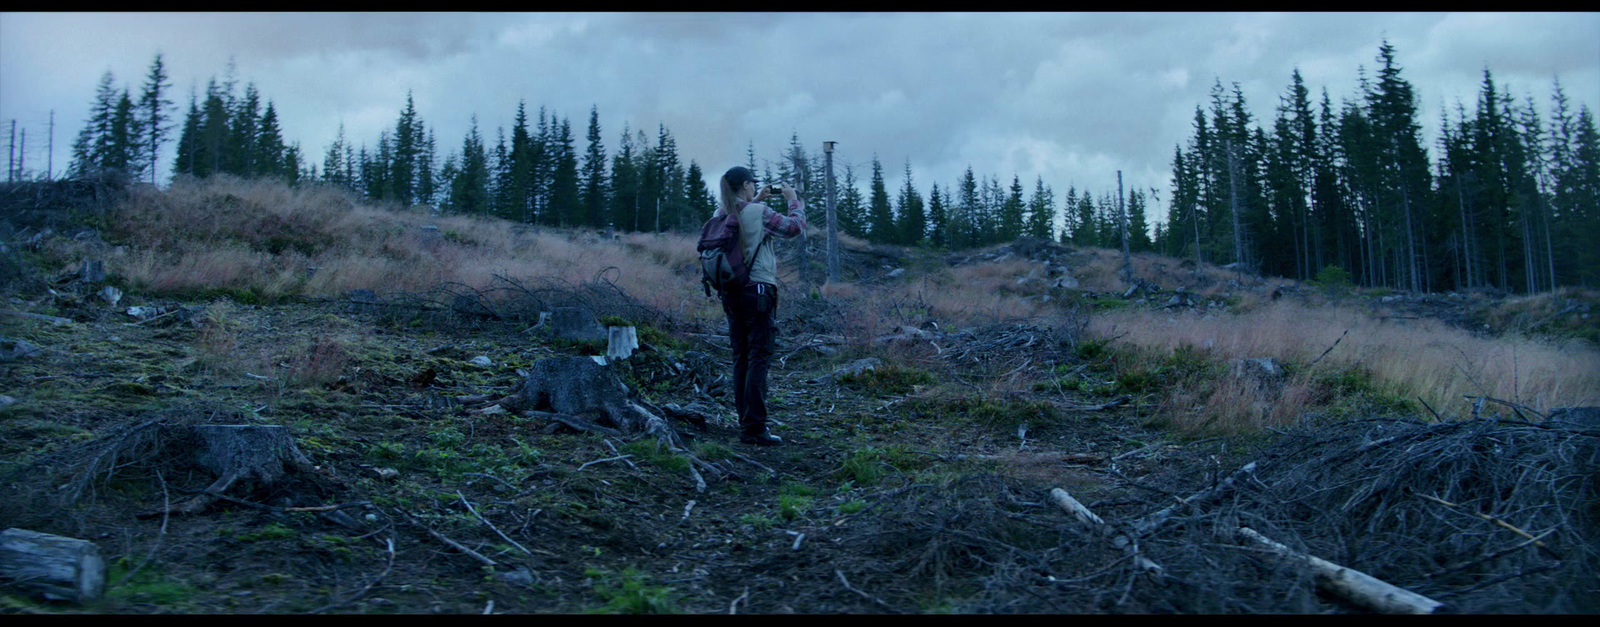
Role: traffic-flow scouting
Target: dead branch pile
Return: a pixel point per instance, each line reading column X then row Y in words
column 1484, row 516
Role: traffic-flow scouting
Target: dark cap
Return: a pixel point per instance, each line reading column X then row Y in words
column 738, row 175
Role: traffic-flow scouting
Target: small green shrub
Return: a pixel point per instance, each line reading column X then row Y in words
column 791, row 506
column 888, row 380
column 1333, row 276
column 631, row 593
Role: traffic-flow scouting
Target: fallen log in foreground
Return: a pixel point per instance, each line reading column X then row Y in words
column 1352, row 584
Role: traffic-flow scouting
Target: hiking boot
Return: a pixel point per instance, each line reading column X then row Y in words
column 765, row 438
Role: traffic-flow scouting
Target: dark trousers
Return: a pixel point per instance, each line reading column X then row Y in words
column 751, row 328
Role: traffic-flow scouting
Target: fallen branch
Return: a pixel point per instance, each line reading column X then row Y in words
column 573, row 422
column 1147, row 525
column 863, row 594
column 602, row 461
column 1513, row 528
column 1351, row 584
column 1122, row 541
column 1330, row 348
column 389, row 544
column 452, row 543
column 491, row 526
column 34, row 316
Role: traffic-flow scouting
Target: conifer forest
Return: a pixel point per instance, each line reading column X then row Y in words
column 1507, row 199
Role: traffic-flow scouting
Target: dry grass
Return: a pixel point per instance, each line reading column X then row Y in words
column 1406, row 359
column 225, row 233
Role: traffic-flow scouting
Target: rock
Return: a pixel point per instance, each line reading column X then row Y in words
column 481, row 361
column 363, row 301
column 144, row 313
column 92, row 271
column 519, row 577
column 111, row 295
column 1265, row 369
column 855, row 368
column 895, row 273
column 1391, row 298
column 12, row 350
column 6, row 401
column 1066, row 282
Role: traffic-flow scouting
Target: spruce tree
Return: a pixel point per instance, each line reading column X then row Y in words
column 243, row 130
column 1041, row 211
column 187, row 138
column 564, row 207
column 938, row 219
column 1011, row 210
column 154, row 119
column 593, row 179
column 407, row 147
column 269, row 157
column 879, row 216
column 913, row 224
column 90, row 148
column 701, row 204
column 965, row 221
column 849, row 211
column 469, row 191
column 625, row 184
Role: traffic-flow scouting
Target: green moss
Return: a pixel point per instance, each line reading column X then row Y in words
column 888, row 380
column 653, row 452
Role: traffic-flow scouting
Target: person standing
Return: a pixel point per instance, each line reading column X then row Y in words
column 751, row 310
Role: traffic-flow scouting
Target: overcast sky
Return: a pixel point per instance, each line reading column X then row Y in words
column 1072, row 98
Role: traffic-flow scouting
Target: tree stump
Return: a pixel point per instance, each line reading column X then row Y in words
column 57, row 567
column 263, row 453
column 577, row 386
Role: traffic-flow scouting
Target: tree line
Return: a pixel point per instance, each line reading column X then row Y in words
column 1511, row 200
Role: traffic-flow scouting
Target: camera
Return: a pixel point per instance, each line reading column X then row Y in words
column 775, row 190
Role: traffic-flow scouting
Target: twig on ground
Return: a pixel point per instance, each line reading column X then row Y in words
column 491, row 526
column 389, row 543
column 452, row 543
column 863, row 594
column 166, row 506
column 602, row 461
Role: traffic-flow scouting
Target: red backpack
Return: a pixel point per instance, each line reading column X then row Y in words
column 722, row 263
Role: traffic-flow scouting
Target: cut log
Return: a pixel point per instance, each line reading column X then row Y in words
column 59, row 568
column 1352, row 584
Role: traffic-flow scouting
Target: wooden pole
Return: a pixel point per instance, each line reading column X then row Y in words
column 833, row 225
column 1127, row 260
